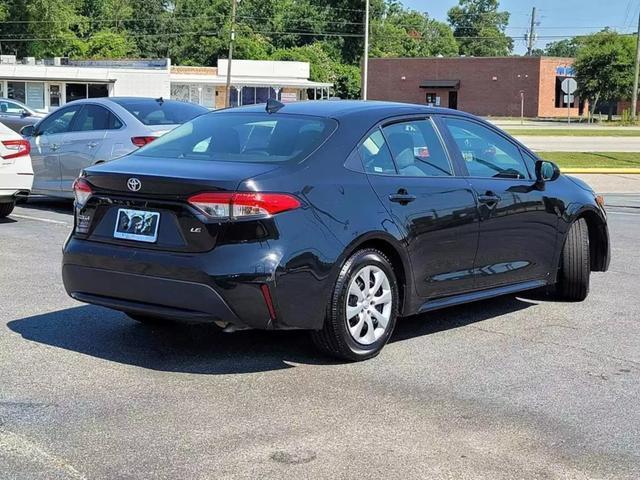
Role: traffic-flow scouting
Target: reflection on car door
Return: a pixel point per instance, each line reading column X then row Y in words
column 517, row 220
column 411, row 172
column 45, row 147
column 83, row 141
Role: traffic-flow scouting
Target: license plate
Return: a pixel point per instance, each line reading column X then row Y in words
column 137, row 225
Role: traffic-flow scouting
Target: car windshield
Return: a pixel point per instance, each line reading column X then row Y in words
column 160, row 112
column 243, row 137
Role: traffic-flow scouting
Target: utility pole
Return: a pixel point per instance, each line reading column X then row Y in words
column 634, row 97
column 532, row 32
column 365, row 67
column 234, row 6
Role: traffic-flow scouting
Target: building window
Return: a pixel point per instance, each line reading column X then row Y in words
column 35, row 95
column 54, row 96
column 78, row 91
column 431, row 98
column 17, row 91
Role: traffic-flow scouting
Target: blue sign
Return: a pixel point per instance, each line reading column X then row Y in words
column 565, row 71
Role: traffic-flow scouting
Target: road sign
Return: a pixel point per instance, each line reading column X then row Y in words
column 569, row 85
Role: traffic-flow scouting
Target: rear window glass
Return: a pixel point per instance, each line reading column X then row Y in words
column 241, row 137
column 167, row 112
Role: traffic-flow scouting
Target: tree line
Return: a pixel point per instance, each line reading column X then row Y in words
column 326, row 33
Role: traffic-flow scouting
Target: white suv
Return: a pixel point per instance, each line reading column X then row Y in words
column 16, row 172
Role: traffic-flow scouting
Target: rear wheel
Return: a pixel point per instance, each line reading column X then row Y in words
column 363, row 309
column 575, row 264
column 6, row 208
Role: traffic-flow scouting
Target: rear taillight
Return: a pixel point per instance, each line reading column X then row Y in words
column 243, row 204
column 82, row 191
column 142, row 141
column 18, row 148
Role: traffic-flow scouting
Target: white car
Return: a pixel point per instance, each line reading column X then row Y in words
column 16, row 172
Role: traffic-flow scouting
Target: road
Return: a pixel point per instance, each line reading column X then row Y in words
column 581, row 144
column 515, row 387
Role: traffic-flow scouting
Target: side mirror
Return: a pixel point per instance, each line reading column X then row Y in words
column 25, row 113
column 546, row 171
column 28, row 131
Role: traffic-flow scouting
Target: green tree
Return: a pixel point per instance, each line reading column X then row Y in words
column 480, row 28
column 56, row 26
column 408, row 33
column 563, row 48
column 604, row 67
column 109, row 44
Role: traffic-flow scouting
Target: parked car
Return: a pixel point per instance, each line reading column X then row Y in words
column 335, row 217
column 16, row 174
column 97, row 130
column 16, row 115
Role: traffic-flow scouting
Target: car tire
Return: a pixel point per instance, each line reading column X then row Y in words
column 364, row 334
column 575, row 264
column 6, row 209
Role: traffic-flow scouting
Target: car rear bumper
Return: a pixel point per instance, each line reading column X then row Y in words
column 225, row 285
column 141, row 294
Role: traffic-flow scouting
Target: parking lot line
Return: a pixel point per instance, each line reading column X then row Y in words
column 40, row 219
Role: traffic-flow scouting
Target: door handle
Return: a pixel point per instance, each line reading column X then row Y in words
column 92, row 144
column 489, row 198
column 54, row 147
column 402, row 197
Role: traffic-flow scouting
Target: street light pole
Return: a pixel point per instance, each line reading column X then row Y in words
column 365, row 67
column 634, row 98
column 234, row 6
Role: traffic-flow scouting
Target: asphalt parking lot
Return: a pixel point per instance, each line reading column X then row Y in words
column 515, row 387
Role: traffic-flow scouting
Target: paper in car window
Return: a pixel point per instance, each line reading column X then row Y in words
column 421, row 152
column 467, row 155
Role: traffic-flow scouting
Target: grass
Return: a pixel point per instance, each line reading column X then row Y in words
column 593, row 160
column 572, row 132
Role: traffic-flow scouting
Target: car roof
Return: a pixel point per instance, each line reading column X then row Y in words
column 347, row 108
column 108, row 100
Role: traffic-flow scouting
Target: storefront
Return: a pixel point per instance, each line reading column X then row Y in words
column 48, row 84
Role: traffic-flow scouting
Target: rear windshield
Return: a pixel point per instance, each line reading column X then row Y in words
column 243, row 137
column 155, row 112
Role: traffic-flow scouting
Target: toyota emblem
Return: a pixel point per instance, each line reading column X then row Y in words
column 134, row 184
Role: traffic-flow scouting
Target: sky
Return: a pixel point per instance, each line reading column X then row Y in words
column 556, row 17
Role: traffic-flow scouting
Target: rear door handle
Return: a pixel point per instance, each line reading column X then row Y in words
column 92, row 144
column 402, row 198
column 54, row 146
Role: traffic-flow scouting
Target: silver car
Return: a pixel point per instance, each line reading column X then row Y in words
column 87, row 132
column 16, row 115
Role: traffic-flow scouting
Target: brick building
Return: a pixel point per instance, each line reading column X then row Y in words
column 483, row 86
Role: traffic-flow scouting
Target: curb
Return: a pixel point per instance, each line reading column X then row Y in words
column 611, row 171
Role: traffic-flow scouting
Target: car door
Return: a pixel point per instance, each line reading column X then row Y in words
column 13, row 115
column 83, row 141
column 45, row 146
column 517, row 229
column 411, row 172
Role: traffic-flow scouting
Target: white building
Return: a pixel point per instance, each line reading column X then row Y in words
column 48, row 84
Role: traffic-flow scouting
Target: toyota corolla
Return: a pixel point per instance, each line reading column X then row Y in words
column 333, row 217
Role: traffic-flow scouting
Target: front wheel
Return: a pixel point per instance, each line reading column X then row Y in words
column 6, row 208
column 363, row 309
column 575, row 264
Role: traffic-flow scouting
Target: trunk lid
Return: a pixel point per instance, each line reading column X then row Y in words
column 160, row 186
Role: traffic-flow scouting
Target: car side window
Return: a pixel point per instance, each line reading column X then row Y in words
column 10, row 108
column 417, row 149
column 376, row 156
column 58, row 122
column 95, row 117
column 485, row 153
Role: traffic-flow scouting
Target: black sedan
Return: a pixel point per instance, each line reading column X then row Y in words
column 335, row 217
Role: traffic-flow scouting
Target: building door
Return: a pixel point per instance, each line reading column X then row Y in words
column 453, row 99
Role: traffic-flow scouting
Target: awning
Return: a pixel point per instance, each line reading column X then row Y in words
column 440, row 84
